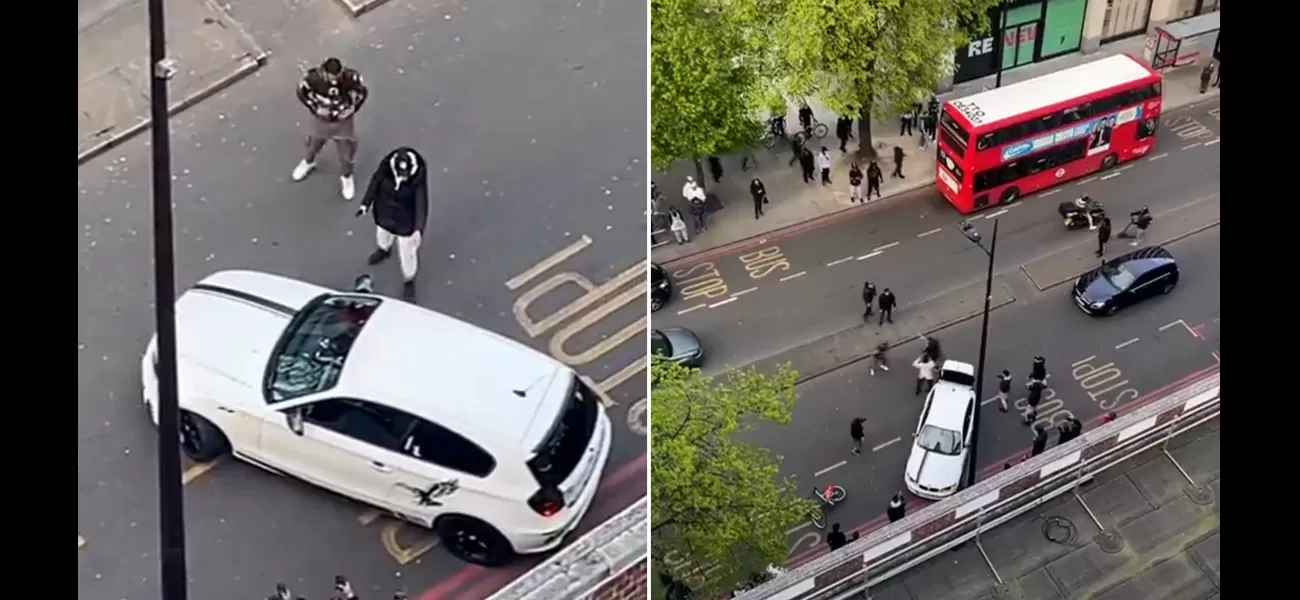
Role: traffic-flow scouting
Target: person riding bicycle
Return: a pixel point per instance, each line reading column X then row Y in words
column 806, row 118
column 777, row 125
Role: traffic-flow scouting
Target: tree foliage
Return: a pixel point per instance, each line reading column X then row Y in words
column 703, row 82
column 718, row 502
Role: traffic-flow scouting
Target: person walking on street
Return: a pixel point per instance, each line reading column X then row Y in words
column 1040, row 440
column 700, row 215
column 759, row 193
column 898, row 163
column 879, row 358
column 1069, row 429
column 905, row 121
column 1004, row 389
column 1206, row 74
column 824, row 163
column 855, row 432
column 897, row 508
column 836, row 538
column 874, row 178
column 930, row 125
column 1032, row 399
column 677, row 225
column 1103, row 236
column 808, row 163
column 805, row 117
column 844, row 131
column 925, row 373
column 695, row 199
column 796, row 146
column 887, row 303
column 715, row 168
column 1141, row 221
column 333, row 93
column 855, row 183
column 1038, row 371
column 868, row 296
column 398, row 195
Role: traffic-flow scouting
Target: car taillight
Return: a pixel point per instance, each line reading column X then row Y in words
column 547, row 502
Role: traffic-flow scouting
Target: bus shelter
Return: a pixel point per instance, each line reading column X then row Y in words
column 1183, row 42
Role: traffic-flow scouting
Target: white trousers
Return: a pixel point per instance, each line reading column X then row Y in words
column 408, row 250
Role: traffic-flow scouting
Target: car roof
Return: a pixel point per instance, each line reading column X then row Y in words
column 958, row 367
column 1143, row 259
column 948, row 404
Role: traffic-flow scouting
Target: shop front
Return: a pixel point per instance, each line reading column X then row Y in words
column 1029, row 31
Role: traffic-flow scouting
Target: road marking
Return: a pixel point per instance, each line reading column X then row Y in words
column 404, row 555
column 1125, row 167
column 198, row 470
column 727, row 301
column 1111, row 176
column 1212, row 142
column 830, row 468
column 1079, row 362
column 369, row 516
column 1177, row 323
column 81, row 542
column 795, row 276
column 930, row 232
column 1190, row 146
column 866, row 256
column 696, row 307
column 842, row 260
column 1159, row 156
column 743, row 292
column 546, row 265
column 1088, row 180
column 1127, row 344
column 989, row 401
column 798, row 528
column 887, row 444
column 885, row 247
column 1216, row 356
column 1049, row 193
column 997, row 214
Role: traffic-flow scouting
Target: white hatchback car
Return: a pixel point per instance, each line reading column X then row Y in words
column 496, row 447
column 943, row 434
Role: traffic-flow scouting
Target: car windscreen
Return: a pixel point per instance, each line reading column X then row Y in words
column 939, row 440
column 310, row 355
column 958, row 378
column 567, row 441
column 659, row 344
column 1119, row 276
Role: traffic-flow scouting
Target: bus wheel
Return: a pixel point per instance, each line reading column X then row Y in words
column 1010, row 195
column 1109, row 162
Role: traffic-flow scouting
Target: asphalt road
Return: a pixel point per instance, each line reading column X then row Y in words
column 790, row 291
column 1096, row 365
column 532, row 117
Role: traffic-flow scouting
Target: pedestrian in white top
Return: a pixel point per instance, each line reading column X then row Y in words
column 925, row 371
column 824, row 163
column 678, row 226
column 692, row 191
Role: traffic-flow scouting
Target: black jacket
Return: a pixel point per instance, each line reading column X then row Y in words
column 341, row 99
column 855, row 176
column 874, row 174
column 757, row 190
column 887, row 301
column 844, row 128
column 401, row 211
column 868, row 292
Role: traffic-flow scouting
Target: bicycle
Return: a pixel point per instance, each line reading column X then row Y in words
column 775, row 131
column 832, row 495
column 818, row 130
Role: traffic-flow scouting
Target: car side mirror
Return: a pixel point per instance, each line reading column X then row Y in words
column 293, row 419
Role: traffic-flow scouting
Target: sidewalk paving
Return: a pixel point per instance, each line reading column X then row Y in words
column 793, row 202
column 210, row 50
column 1169, row 543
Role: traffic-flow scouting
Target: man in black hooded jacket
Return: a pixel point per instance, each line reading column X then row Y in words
column 398, row 195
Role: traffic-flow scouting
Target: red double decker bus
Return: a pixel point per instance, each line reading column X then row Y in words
column 999, row 145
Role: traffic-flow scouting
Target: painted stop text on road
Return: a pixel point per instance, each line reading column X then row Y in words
column 1103, row 383
column 700, row 281
column 1189, row 128
column 761, row 263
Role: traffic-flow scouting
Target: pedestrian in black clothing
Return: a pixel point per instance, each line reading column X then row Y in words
column 824, row 164
column 797, row 146
column 1040, row 440
column 930, row 125
column 844, row 131
column 932, row 107
column 836, row 538
column 880, row 358
column 1206, row 74
column 1032, row 399
column 897, row 508
column 874, row 178
column 1038, row 371
column 805, row 117
column 898, row 163
column 1004, row 389
column 1069, row 429
column 715, row 168
column 398, row 195
column 855, row 432
column 855, row 183
column 759, row 193
column 1103, row 236
column 887, row 304
column 700, row 211
column 868, row 296
column 905, row 121
column 808, row 163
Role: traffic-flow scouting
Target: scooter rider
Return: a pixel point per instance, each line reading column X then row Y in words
column 1090, row 208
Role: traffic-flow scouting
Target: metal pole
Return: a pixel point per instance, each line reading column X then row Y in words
column 998, row 43
column 171, row 510
column 972, row 466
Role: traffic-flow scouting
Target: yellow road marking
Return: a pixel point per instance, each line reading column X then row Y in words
column 81, row 542
column 404, row 555
column 198, row 470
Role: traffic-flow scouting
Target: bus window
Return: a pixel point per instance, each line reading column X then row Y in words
column 958, row 147
column 1147, row 128
column 1076, row 114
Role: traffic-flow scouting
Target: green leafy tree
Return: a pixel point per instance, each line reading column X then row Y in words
column 872, row 58
column 703, row 86
column 720, row 507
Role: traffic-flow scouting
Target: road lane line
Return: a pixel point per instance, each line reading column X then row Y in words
column 1079, row 362
column 1127, row 344
column 887, row 444
column 1212, row 142
column 842, row 260
column 724, row 302
column 795, row 276
column 1190, row 146
column 743, row 292
column 1088, row 180
column 198, row 470
column 997, row 214
column 1216, row 356
column 1049, row 193
column 885, row 247
column 81, row 542
column 1159, row 156
column 1125, row 167
column 989, row 401
column 830, row 468
column 866, row 256
column 1173, row 324
column 693, row 308
column 798, row 528
column 930, row 232
column 1111, row 176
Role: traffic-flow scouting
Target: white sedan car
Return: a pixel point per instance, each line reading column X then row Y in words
column 943, row 434
column 496, row 447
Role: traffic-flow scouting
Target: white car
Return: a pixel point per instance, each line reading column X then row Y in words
column 496, row 447
column 943, row 434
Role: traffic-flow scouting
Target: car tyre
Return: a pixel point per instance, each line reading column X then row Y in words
column 1010, row 195
column 474, row 541
column 1112, row 309
column 656, row 304
column 1168, row 287
column 1109, row 162
column 201, row 441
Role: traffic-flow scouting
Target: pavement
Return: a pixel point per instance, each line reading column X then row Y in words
column 798, row 287
column 512, row 194
column 794, row 203
column 1171, row 546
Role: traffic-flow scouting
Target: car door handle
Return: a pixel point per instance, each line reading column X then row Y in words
column 226, row 410
column 381, row 467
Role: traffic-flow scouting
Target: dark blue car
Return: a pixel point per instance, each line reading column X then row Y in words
column 1126, row 280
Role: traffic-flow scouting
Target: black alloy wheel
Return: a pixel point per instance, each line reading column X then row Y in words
column 201, row 441
column 474, row 541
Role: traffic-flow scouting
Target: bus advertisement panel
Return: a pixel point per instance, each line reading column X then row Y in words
column 999, row 145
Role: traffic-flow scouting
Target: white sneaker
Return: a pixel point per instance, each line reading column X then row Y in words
column 884, row 367
column 348, row 186
column 303, row 169
column 1133, row 243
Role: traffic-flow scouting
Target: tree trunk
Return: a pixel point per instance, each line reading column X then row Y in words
column 699, row 176
column 866, row 147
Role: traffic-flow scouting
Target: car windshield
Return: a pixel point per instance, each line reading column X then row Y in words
column 310, row 355
column 940, row 440
column 1118, row 276
column 659, row 344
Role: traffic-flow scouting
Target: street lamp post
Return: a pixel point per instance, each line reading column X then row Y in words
column 171, row 509
column 968, row 230
column 999, row 42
